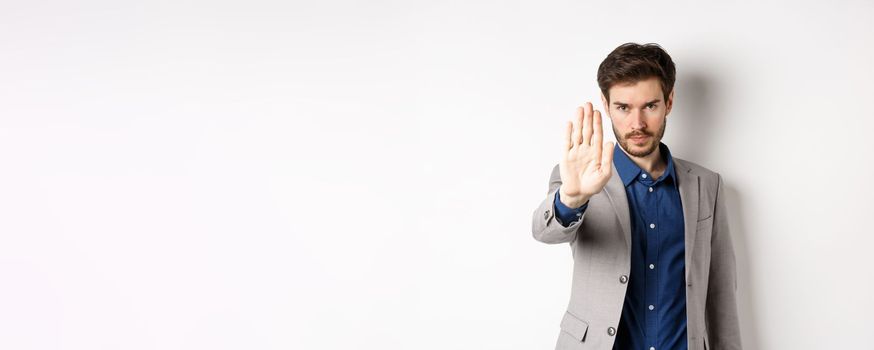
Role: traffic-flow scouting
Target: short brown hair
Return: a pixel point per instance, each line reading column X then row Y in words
column 632, row 62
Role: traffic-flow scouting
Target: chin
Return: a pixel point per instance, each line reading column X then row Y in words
column 641, row 150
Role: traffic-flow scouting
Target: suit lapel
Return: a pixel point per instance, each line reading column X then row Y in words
column 689, row 184
column 616, row 192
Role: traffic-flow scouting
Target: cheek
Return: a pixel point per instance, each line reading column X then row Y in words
column 655, row 117
column 618, row 124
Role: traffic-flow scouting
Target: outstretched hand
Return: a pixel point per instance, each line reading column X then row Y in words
column 586, row 164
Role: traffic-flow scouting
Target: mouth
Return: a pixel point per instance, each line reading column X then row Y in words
column 639, row 138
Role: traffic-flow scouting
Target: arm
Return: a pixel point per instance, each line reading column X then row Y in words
column 554, row 222
column 583, row 171
column 566, row 215
column 723, row 326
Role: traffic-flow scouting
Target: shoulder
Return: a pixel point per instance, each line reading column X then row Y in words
column 707, row 176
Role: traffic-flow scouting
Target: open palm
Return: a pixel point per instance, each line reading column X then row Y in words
column 586, row 164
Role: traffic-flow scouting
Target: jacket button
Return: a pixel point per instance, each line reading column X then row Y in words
column 611, row 331
column 623, row 279
column 546, row 215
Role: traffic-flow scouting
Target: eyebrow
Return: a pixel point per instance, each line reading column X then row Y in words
column 647, row 103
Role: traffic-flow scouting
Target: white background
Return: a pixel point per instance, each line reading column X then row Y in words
column 362, row 175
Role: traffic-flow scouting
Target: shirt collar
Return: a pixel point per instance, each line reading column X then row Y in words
column 629, row 171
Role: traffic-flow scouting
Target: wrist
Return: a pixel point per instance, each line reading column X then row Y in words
column 572, row 202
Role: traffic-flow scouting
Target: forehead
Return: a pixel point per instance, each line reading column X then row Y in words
column 637, row 92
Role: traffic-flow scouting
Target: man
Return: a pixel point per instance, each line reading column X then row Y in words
column 654, row 266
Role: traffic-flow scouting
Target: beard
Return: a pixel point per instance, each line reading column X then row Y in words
column 654, row 140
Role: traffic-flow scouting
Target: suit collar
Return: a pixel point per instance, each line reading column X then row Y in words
column 690, row 187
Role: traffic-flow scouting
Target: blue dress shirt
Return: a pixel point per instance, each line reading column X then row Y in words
column 654, row 312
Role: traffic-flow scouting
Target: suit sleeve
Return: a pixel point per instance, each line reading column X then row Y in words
column 545, row 224
column 564, row 214
column 723, row 326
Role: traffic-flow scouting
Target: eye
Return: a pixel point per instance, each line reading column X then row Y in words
column 621, row 108
column 651, row 106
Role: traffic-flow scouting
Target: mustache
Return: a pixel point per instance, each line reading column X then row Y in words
column 642, row 133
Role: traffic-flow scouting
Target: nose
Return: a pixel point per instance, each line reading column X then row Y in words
column 635, row 120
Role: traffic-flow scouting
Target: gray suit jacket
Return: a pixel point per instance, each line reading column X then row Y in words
column 600, row 242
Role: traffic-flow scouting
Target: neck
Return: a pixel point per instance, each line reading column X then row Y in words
column 653, row 163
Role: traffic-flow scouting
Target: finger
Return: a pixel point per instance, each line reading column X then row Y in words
column 599, row 132
column 578, row 122
column 596, row 153
column 587, row 124
column 567, row 136
column 607, row 158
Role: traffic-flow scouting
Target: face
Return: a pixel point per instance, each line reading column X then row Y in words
column 638, row 113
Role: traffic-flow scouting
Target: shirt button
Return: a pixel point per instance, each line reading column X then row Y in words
column 623, row 279
column 650, row 189
column 651, row 307
column 579, row 214
column 643, row 176
column 651, row 225
column 546, row 215
column 611, row 331
column 651, row 266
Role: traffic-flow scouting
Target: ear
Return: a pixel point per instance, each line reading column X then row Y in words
column 669, row 103
column 606, row 106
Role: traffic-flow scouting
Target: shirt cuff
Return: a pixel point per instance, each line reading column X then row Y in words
column 566, row 216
